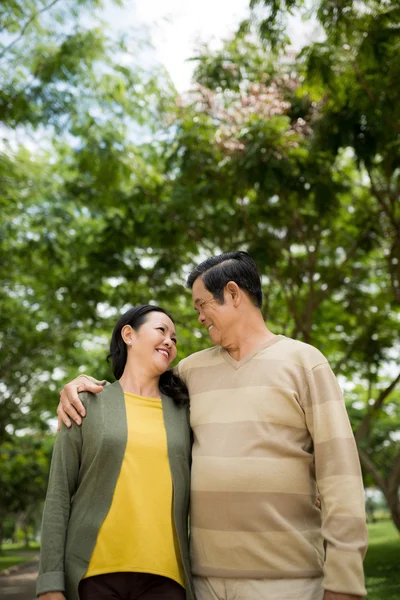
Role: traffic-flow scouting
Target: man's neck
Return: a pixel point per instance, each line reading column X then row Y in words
column 248, row 340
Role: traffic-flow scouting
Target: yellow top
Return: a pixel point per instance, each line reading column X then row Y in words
column 138, row 534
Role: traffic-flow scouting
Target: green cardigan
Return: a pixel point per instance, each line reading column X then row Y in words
column 84, row 472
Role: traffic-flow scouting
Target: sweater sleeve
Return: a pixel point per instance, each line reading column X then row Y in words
column 102, row 382
column 339, row 481
column 179, row 371
column 63, row 481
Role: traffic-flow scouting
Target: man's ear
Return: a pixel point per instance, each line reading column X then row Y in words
column 233, row 291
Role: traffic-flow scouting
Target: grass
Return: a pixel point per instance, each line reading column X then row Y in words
column 8, row 561
column 16, row 554
column 382, row 562
column 20, row 547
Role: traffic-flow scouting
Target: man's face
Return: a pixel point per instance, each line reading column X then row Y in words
column 217, row 318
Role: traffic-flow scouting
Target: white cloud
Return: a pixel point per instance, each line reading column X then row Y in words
column 176, row 28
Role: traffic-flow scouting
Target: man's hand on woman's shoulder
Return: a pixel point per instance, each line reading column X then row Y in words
column 70, row 406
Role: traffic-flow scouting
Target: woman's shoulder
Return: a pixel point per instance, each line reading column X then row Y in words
column 110, row 390
column 88, row 398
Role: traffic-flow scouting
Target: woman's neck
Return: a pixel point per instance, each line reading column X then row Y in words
column 140, row 383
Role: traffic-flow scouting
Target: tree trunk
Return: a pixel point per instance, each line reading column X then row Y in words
column 393, row 498
column 394, row 505
column 26, row 535
column 389, row 487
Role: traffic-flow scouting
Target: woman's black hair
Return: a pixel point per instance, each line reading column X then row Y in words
column 170, row 384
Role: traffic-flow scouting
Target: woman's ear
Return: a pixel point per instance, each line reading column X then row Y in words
column 127, row 334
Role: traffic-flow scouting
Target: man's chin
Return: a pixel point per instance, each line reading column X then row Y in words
column 213, row 337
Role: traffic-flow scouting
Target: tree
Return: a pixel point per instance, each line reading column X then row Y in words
column 256, row 165
column 353, row 75
column 25, row 465
column 71, row 111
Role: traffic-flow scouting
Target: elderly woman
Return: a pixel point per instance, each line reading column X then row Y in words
column 115, row 523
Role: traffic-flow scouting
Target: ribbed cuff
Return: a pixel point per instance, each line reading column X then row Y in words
column 343, row 572
column 50, row 582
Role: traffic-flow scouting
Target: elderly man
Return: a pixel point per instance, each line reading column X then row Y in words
column 270, row 431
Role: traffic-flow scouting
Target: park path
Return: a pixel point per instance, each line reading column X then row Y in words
column 21, row 583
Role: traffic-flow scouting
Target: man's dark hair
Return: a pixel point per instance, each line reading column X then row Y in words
column 217, row 271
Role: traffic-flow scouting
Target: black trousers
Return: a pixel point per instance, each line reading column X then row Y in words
column 130, row 586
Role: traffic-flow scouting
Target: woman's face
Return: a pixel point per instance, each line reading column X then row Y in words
column 154, row 344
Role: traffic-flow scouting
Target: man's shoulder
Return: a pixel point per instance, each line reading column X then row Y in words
column 300, row 353
column 203, row 358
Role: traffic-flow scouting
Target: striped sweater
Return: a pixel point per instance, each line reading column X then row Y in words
column 269, row 431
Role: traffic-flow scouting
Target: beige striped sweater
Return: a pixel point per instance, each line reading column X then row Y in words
column 269, row 431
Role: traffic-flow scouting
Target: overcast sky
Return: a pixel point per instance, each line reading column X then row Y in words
column 175, row 26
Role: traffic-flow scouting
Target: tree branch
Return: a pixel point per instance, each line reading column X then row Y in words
column 338, row 366
column 363, row 83
column 393, row 481
column 372, row 470
column 322, row 294
column 363, row 428
column 25, row 27
column 312, row 304
column 381, row 200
